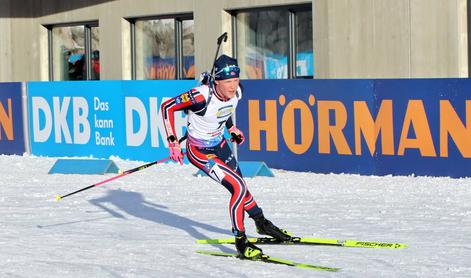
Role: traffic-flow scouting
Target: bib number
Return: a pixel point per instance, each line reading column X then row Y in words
column 213, row 170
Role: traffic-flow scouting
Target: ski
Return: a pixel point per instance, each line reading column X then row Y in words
column 311, row 241
column 267, row 259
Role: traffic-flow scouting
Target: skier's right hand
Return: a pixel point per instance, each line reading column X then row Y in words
column 175, row 151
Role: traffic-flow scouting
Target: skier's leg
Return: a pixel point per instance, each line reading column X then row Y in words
column 263, row 225
column 235, row 184
column 213, row 166
column 226, row 154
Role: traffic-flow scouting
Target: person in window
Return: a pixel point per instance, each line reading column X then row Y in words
column 67, row 65
column 95, row 65
column 209, row 108
column 77, row 65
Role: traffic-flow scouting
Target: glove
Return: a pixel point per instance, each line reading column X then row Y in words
column 236, row 135
column 204, row 78
column 175, row 152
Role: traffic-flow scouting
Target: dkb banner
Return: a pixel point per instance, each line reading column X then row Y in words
column 11, row 119
column 401, row 127
column 102, row 118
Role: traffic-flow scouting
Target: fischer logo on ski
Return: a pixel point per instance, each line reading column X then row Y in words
column 311, row 241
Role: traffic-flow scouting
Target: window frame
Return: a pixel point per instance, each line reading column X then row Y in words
column 87, row 25
column 178, row 27
column 292, row 34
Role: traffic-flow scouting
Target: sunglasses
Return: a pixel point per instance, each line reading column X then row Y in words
column 228, row 71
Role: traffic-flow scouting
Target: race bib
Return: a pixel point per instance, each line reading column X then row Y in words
column 213, row 170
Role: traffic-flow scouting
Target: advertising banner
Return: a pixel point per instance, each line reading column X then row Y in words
column 377, row 127
column 401, row 127
column 431, row 126
column 102, row 118
column 302, row 125
column 11, row 119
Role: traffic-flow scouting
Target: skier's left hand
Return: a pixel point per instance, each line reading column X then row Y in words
column 236, row 135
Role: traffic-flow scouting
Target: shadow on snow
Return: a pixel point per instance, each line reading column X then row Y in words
column 134, row 204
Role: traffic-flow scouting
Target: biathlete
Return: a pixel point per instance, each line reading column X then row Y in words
column 209, row 111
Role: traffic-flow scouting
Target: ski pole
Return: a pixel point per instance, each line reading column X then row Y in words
column 210, row 80
column 125, row 173
column 222, row 38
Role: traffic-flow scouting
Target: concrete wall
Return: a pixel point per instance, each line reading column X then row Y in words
column 5, row 42
column 352, row 38
column 385, row 38
column 438, row 38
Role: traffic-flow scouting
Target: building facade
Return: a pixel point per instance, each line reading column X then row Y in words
column 272, row 39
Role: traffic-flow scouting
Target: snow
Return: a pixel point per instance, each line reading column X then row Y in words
column 146, row 224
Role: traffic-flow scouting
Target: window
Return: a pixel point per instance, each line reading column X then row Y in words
column 188, row 39
column 303, row 43
column 163, row 48
column 95, row 53
column 74, row 52
column 274, row 43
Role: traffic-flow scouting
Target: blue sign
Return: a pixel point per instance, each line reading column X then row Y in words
column 11, row 119
column 102, row 118
column 414, row 126
column 379, row 127
column 432, row 127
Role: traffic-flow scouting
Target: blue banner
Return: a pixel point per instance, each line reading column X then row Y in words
column 102, row 118
column 432, row 127
column 401, row 127
column 379, row 127
column 282, row 124
column 11, row 119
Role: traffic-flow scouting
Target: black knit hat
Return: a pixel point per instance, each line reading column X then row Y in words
column 226, row 67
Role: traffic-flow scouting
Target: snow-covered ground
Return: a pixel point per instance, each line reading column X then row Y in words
column 146, row 224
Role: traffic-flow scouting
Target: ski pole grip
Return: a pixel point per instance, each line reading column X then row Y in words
column 182, row 139
column 222, row 37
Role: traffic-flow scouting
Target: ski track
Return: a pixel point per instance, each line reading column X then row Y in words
column 146, row 224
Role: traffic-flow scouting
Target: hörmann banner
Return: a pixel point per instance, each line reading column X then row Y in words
column 403, row 127
column 102, row 118
column 11, row 119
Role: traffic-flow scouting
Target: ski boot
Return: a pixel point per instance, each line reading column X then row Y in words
column 265, row 227
column 245, row 249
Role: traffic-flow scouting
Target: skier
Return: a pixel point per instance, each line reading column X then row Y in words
column 209, row 110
